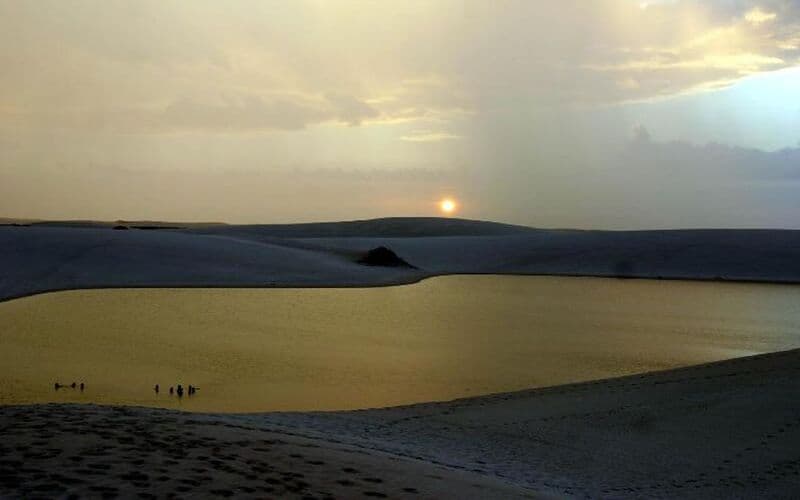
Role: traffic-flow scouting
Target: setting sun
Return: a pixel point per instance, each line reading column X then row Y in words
column 447, row 206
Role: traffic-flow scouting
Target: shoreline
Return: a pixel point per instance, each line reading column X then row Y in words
column 722, row 429
column 395, row 283
column 455, row 402
column 48, row 259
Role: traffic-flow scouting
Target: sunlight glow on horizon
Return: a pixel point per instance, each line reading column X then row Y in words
column 448, row 206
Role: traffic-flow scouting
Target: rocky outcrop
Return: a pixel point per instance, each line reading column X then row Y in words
column 382, row 256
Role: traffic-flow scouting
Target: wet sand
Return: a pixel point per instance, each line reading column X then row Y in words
column 723, row 430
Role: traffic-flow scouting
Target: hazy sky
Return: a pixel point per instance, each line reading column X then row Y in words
column 583, row 113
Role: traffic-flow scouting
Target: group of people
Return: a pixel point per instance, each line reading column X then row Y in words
column 73, row 385
column 190, row 391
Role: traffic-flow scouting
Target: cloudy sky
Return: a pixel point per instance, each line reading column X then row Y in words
column 553, row 113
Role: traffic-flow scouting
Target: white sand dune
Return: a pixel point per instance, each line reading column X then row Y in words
column 50, row 256
column 723, row 430
column 729, row 429
column 38, row 259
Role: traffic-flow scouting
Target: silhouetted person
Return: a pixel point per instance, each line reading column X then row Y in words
column 82, row 386
column 171, row 390
column 156, row 388
column 73, row 385
column 191, row 390
column 180, row 390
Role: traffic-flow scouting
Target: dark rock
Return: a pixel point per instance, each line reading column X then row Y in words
column 120, row 228
column 382, row 256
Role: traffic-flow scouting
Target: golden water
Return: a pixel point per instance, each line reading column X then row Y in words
column 444, row 338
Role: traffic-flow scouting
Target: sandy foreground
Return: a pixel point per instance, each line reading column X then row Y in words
column 722, row 430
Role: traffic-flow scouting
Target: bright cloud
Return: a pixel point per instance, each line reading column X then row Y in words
column 428, row 136
column 757, row 16
column 354, row 63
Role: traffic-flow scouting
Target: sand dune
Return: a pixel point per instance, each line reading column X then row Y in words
column 723, row 430
column 52, row 257
column 51, row 451
column 37, row 259
column 390, row 227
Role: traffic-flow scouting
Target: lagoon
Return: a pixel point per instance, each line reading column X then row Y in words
column 344, row 348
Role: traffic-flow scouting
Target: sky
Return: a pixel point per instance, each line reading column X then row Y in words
column 611, row 114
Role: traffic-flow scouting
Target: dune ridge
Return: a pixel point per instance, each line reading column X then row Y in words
column 43, row 258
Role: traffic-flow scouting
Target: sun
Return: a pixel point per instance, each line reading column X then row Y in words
column 447, row 206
